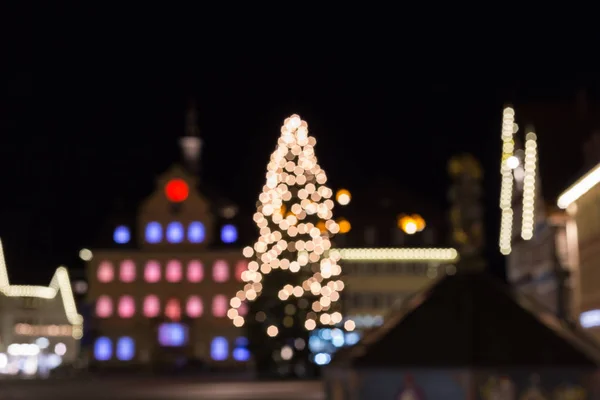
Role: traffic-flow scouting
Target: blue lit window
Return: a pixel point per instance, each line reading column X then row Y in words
column 125, row 348
column 172, row 334
column 122, row 235
column 352, row 338
column 196, row 232
column 103, row 349
column 322, row 359
column 219, row 349
column 241, row 352
column 175, row 232
column 229, row 234
column 153, row 232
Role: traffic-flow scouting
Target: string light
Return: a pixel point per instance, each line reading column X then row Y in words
column 509, row 128
column 295, row 219
column 60, row 283
column 579, row 188
column 392, row 255
column 343, row 197
column 530, row 165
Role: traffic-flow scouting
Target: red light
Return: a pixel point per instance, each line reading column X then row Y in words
column 173, row 310
column 177, row 190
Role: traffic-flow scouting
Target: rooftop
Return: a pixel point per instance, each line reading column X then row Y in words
column 470, row 320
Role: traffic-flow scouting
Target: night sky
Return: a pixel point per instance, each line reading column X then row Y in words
column 94, row 110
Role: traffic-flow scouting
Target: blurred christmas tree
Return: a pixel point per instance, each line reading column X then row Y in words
column 292, row 282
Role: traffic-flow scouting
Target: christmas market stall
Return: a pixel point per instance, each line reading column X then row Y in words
column 468, row 337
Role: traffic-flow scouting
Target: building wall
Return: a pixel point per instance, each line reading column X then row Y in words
column 533, row 267
column 587, row 218
column 373, row 288
column 26, row 319
column 220, row 282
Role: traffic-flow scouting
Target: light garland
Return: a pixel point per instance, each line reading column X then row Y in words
column 530, row 166
column 579, row 188
column 400, row 254
column 60, row 283
column 295, row 193
column 509, row 128
column 43, row 330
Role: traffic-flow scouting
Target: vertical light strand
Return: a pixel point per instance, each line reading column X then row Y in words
column 530, row 166
column 506, row 190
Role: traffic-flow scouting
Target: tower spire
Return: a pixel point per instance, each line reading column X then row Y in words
column 191, row 144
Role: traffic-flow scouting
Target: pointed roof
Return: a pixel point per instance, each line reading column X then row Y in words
column 60, row 283
column 472, row 320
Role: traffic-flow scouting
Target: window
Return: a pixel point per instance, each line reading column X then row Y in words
column 127, row 271
column 126, row 307
column 152, row 271
column 153, row 232
column 172, row 334
column 121, row 235
column 219, row 349
column 173, row 310
column 229, row 234
column 151, row 306
column 105, row 272
column 220, row 271
column 175, row 232
column 219, row 306
column 240, row 267
column 104, row 307
column 194, row 307
column 103, row 349
column 590, row 318
column 31, row 303
column 173, row 273
column 240, row 350
column 125, row 348
column 195, row 271
column 196, row 232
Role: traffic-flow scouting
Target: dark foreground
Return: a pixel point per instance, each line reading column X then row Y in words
column 116, row 389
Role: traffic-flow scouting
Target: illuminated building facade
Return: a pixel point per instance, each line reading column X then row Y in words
column 582, row 202
column 380, row 279
column 161, row 293
column 388, row 253
column 39, row 325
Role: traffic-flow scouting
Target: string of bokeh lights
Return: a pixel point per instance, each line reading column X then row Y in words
column 295, row 190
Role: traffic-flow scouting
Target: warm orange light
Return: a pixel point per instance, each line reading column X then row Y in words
column 344, row 226
column 177, row 190
column 343, row 197
column 411, row 224
column 419, row 221
column 321, row 226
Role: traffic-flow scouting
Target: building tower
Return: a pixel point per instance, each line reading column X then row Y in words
column 191, row 144
column 466, row 213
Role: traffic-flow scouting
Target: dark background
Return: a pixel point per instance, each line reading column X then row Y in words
column 95, row 103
